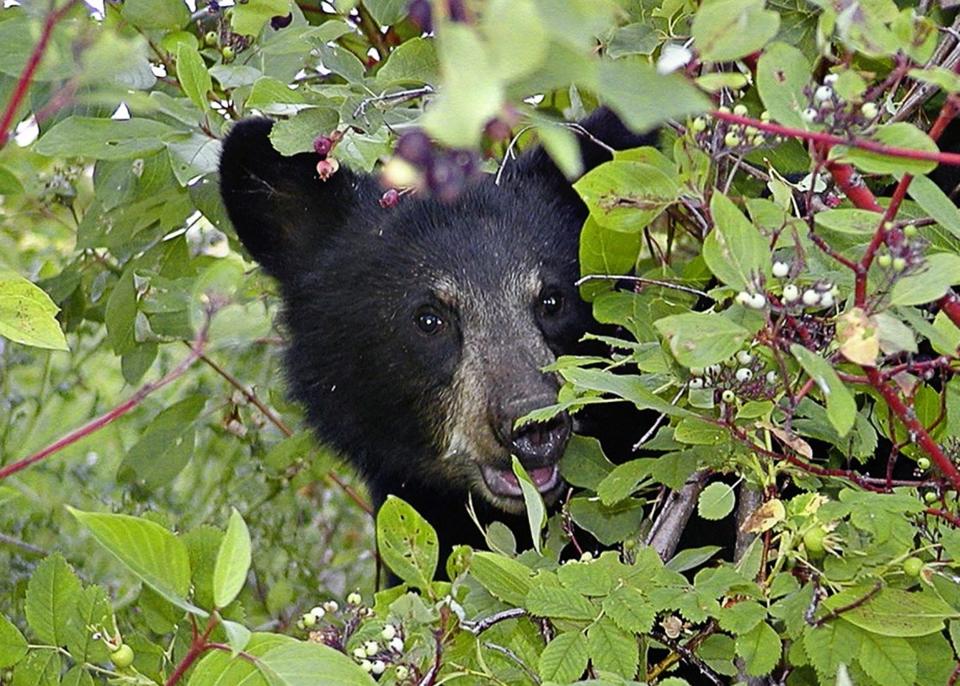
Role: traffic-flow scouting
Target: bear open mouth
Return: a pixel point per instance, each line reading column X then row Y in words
column 503, row 482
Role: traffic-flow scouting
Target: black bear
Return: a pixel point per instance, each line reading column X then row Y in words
column 418, row 333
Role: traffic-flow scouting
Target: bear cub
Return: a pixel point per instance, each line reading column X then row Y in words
column 417, row 334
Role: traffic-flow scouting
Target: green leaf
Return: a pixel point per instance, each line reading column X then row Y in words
column 627, row 196
column 562, row 146
column 564, row 659
column 103, row 139
column 760, row 649
column 504, row 578
column 233, row 561
column 716, row 501
column 407, row 542
column 559, row 603
column 193, row 76
column 830, row 645
column 612, row 649
column 890, row 661
column 935, row 202
column 605, row 251
column 699, row 339
column 899, row 135
column 782, row 74
column 626, row 86
column 249, row 17
column 92, row 609
column 938, row 273
column 77, row 676
column 9, row 183
column 532, row 502
column 238, row 636
column 841, row 407
column 893, row 611
column 41, row 668
column 13, row 646
column 156, row 14
column 627, row 387
column 850, row 221
column 166, row 445
column 630, row 609
column 28, row 315
column 583, row 463
column 51, row 598
column 691, row 558
column 735, row 251
column 154, row 554
column 297, row 133
column 300, row 663
column 608, row 524
column 741, row 617
column 471, row 92
column 730, row 29
column 387, row 12
column 516, row 37
column 413, row 62
column 623, row 481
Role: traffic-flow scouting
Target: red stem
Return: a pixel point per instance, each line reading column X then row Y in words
column 952, row 518
column 198, row 646
column 29, row 69
column 829, row 140
column 950, row 306
column 95, row 425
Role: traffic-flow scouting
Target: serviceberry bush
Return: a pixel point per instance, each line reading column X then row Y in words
column 778, row 273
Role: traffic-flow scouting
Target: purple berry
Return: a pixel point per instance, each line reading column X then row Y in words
column 281, row 22
column 497, row 130
column 390, row 198
column 420, row 14
column 322, row 145
column 445, row 179
column 458, row 10
column 416, row 148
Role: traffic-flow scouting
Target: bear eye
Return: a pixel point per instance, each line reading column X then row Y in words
column 551, row 302
column 430, row 322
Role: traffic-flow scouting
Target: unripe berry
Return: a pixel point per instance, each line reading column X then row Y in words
column 354, row 599
column 743, row 298
column 318, row 612
column 728, row 396
column 696, row 371
column 912, row 566
column 325, row 170
column 210, row 38
column 331, row 606
column 698, row 125
column 740, row 110
column 308, row 621
column 923, row 463
column 758, row 139
column 884, row 260
column 869, row 110
column 790, row 293
column 731, row 140
column 899, row 264
column 122, row 657
column 402, row 672
column 228, row 53
column 366, row 665
column 780, row 269
column 586, row 556
column 371, row 647
column 930, row 497
column 723, row 109
column 910, row 231
column 764, row 116
column 811, row 297
column 814, row 540
column 360, row 653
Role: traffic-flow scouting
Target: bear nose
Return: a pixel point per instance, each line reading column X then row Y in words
column 541, row 444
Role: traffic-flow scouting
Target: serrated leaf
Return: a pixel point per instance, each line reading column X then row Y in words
column 760, row 649
column 630, row 609
column 28, row 315
column 564, row 659
column 625, row 195
column 782, row 74
column 939, row 272
column 898, row 135
column 893, row 611
column 735, row 251
column 233, row 561
column 716, row 501
column 407, row 542
column 891, row 661
column 612, row 649
column 503, row 577
column 13, row 646
column 40, row 668
column 193, row 76
column 741, row 617
column 92, row 609
column 841, row 407
column 729, row 29
column 154, row 554
column 560, row 603
column 699, row 339
column 51, row 598
column 622, row 481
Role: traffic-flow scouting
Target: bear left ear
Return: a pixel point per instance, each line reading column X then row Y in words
column 599, row 132
column 281, row 209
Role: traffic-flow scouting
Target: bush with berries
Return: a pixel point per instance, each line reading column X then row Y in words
column 779, row 270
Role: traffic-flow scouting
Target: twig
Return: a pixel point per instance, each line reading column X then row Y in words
column 643, row 280
column 833, row 614
column 481, row 625
column 666, row 530
column 30, row 69
column 23, row 545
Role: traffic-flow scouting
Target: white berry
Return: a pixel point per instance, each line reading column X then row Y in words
column 378, row 667
column 740, row 110
column 743, row 298
column 396, row 644
column 360, row 653
column 869, row 110
column 371, row 647
column 771, row 377
column 831, row 79
column 696, row 383
column 744, row 357
column 823, row 93
column 402, row 672
column 809, row 115
column 780, row 269
column 318, row 612
column 366, row 665
column 826, row 299
column 757, row 301
column 389, row 631
column 744, row 374
column 331, row 606
column 790, row 293
column 354, row 599
column 810, row 297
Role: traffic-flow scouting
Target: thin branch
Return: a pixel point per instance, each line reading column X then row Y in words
column 481, row 625
column 672, row 520
column 643, row 280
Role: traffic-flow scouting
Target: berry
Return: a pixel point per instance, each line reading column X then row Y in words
column 744, row 374
column 772, row 377
column 390, row 198
column 757, row 301
column 696, row 371
column 698, row 125
column 318, row 613
column 823, row 93
column 809, row 115
column 366, row 665
column 399, row 173
column 869, row 110
column 415, row 147
column 402, row 672
column 764, row 116
column 723, row 109
column 497, row 130
column 790, row 293
column 743, row 298
column 360, row 653
column 308, row 621
column 122, row 657
column 378, row 667
column 743, row 357
column 731, row 140
column 714, row 369
column 831, row 79
column 826, row 299
column 326, row 169
column 758, row 139
column 740, row 110
column 930, row 497
column 322, row 145
column 371, row 647
column 331, row 606
column 910, row 231
column 814, row 540
column 728, row 396
column 811, row 297
column 389, row 631
column 695, row 383
column 781, row 269
column 884, row 260
column 228, row 53
column 354, row 599
column 923, row 463
column 210, row 38
column 912, row 566
column 420, row 14
column 586, row 556
column 899, row 264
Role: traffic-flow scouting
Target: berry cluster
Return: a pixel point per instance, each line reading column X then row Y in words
column 903, row 250
column 323, row 145
column 793, row 297
column 728, row 137
column 827, row 108
column 419, row 164
column 745, row 375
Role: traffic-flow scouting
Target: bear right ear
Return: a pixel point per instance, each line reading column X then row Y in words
column 278, row 205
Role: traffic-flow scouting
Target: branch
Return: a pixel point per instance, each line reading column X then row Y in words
column 481, row 625
column 29, row 70
column 672, row 520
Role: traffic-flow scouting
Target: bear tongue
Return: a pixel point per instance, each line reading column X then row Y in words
column 504, row 481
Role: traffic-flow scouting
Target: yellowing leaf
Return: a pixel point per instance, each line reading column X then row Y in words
column 764, row 517
column 858, row 337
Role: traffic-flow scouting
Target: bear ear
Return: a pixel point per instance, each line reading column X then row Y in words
column 281, row 210
column 597, row 134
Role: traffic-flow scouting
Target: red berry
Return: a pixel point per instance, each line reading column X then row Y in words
column 390, row 198
column 327, row 168
column 322, row 145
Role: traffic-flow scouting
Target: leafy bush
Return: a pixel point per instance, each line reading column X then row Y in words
column 779, row 270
